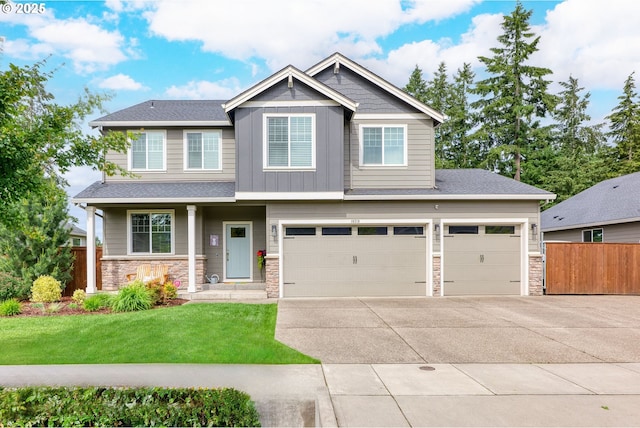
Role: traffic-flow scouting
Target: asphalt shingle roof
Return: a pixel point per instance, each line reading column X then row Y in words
column 148, row 190
column 169, row 110
column 465, row 182
column 606, row 202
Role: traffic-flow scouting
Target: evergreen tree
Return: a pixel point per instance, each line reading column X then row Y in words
column 438, row 96
column 624, row 129
column 36, row 241
column 416, row 87
column 461, row 150
column 573, row 136
column 514, row 96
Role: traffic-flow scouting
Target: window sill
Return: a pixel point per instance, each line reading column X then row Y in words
column 311, row 169
column 397, row 167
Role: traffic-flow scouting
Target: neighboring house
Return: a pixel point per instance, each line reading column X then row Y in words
column 78, row 237
column 606, row 212
column 332, row 172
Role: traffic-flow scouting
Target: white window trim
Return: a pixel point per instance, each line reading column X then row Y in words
column 164, row 151
column 383, row 125
column 265, row 143
column 173, row 232
column 592, row 230
column 185, row 150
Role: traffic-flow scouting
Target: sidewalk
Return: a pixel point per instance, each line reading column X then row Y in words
column 589, row 394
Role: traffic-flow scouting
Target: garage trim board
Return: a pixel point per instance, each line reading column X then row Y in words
column 523, row 223
column 355, row 222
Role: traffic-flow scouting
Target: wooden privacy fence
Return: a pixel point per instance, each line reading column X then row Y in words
column 592, row 268
column 79, row 271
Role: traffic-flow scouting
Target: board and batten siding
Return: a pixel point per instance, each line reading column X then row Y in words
column 116, row 232
column 175, row 159
column 616, row 233
column 390, row 210
column 328, row 173
column 419, row 172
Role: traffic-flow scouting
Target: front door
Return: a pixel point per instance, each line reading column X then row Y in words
column 238, row 251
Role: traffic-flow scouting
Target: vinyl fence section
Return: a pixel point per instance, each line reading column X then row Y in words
column 592, row 268
column 79, row 271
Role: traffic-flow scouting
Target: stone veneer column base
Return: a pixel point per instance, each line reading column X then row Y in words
column 436, row 276
column 272, row 276
column 114, row 271
column 535, row 275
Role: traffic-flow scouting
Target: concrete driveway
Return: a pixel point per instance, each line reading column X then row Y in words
column 546, row 329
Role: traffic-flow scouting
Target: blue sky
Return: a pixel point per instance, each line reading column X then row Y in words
column 213, row 49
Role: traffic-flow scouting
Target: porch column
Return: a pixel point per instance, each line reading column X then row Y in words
column 191, row 246
column 91, row 249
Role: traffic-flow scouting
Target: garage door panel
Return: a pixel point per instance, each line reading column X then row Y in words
column 354, row 265
column 482, row 263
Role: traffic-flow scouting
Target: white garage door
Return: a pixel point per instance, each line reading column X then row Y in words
column 481, row 259
column 334, row 261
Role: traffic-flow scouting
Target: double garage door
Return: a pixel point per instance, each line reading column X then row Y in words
column 335, row 261
column 391, row 260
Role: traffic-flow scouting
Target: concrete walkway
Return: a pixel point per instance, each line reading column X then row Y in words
column 472, row 361
column 369, row 395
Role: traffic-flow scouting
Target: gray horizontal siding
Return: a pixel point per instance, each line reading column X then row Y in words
column 614, row 233
column 434, row 210
column 115, row 229
column 175, row 160
column 418, row 173
column 282, row 92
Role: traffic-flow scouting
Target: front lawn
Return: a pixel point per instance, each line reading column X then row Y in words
column 215, row 333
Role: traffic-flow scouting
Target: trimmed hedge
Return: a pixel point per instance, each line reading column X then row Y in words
column 97, row 406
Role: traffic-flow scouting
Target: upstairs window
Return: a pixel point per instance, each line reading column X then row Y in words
column 383, row 145
column 289, row 141
column 147, row 152
column 203, row 150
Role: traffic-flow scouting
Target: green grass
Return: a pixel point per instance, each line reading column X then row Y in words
column 197, row 333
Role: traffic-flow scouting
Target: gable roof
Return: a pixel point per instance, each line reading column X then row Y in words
column 167, row 113
column 337, row 59
column 460, row 184
column 157, row 192
column 290, row 72
column 608, row 202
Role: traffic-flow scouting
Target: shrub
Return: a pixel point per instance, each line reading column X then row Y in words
column 96, row 302
column 79, row 296
column 155, row 290
column 98, row 406
column 10, row 307
column 12, row 287
column 53, row 308
column 46, row 289
column 73, row 306
column 132, row 297
column 170, row 291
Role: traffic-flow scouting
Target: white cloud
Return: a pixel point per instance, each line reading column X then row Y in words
column 202, row 89
column 311, row 29
column 121, row 82
column 593, row 41
column 86, row 44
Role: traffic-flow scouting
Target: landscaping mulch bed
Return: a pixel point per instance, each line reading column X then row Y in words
column 30, row 309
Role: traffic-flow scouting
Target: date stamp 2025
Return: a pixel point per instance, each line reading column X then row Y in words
column 23, row 8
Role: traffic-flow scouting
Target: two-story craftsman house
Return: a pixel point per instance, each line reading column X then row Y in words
column 332, row 172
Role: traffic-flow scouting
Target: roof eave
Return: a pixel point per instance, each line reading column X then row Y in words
column 450, row 197
column 389, row 87
column 138, row 200
column 591, row 224
column 154, row 123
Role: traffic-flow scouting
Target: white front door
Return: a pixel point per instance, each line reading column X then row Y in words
column 238, row 251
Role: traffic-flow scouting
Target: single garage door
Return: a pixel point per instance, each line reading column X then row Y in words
column 334, row 261
column 481, row 259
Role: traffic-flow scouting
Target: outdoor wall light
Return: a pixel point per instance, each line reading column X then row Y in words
column 274, row 231
column 436, row 228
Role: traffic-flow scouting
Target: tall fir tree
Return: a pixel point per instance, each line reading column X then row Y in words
column 461, row 150
column 624, row 128
column 514, row 96
column 438, row 96
column 417, row 86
